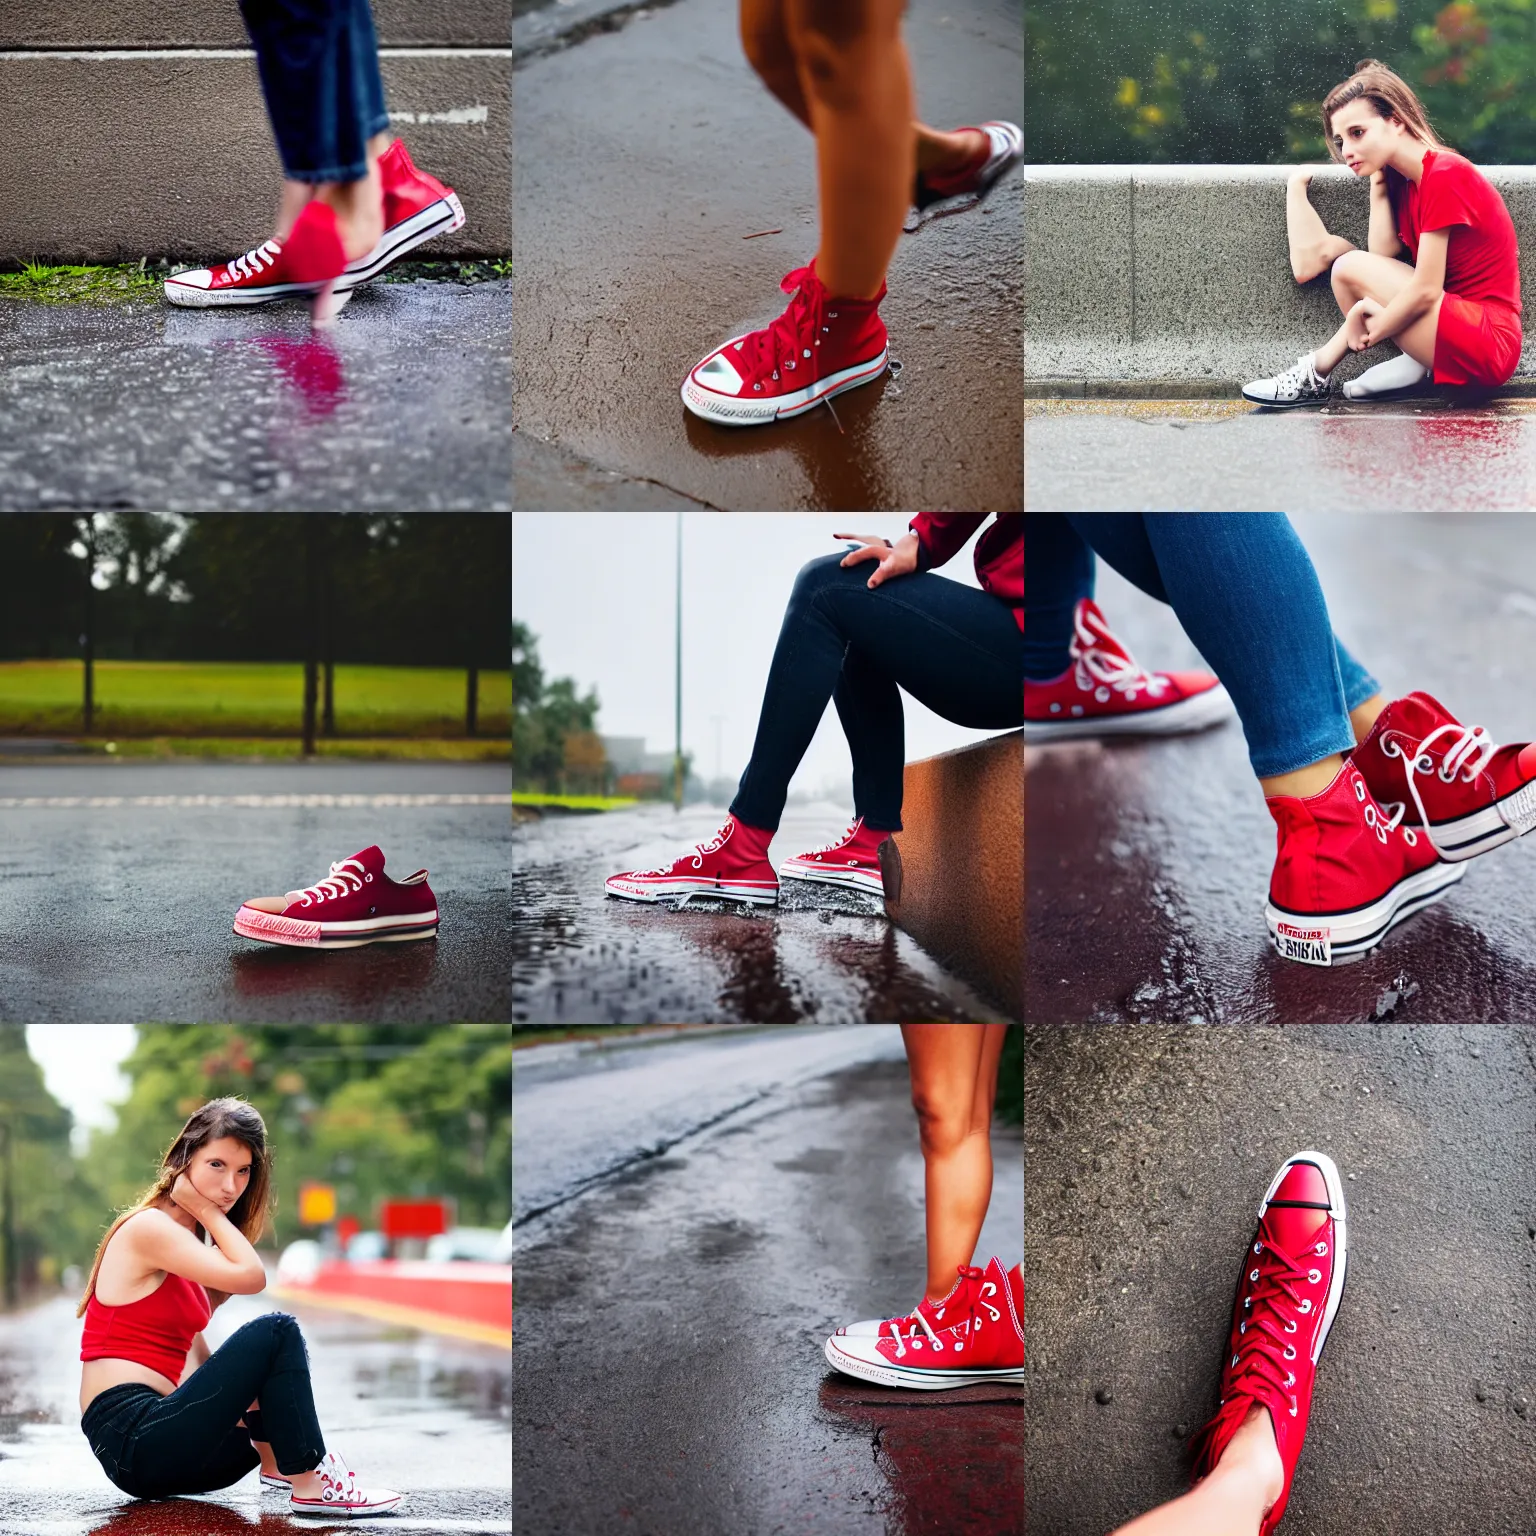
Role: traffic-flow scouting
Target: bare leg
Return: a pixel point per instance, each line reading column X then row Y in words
column 1362, row 275
column 1236, row 1496
column 359, row 205
column 1313, row 249
column 1363, row 716
column 954, row 1084
column 765, row 41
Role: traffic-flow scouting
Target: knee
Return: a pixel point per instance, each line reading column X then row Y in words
column 767, row 48
column 832, row 39
column 942, row 1124
column 815, row 577
column 1344, row 275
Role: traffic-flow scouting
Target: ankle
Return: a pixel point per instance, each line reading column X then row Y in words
column 306, row 1484
column 1303, row 783
column 1252, row 1458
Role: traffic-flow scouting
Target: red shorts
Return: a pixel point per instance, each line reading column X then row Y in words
column 1476, row 342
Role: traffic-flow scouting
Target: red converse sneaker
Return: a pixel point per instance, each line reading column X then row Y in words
column 956, row 1301
column 853, row 860
column 342, row 1496
column 301, row 266
column 817, row 348
column 417, row 208
column 1105, row 693
column 1287, row 1296
column 732, row 865
column 1345, row 872
column 938, row 196
column 984, row 1340
column 357, row 903
column 1468, row 793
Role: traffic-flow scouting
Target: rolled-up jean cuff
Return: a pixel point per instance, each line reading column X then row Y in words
column 1270, row 765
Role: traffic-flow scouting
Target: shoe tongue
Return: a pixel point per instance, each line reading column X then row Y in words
column 1298, row 1208
column 372, row 860
column 1419, row 713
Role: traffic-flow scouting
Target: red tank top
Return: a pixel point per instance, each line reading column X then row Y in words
column 156, row 1331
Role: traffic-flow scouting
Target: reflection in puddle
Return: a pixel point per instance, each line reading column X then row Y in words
column 312, row 366
column 483, row 1392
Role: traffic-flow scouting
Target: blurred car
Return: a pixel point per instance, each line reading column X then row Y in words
column 300, row 1261
column 365, row 1247
column 480, row 1245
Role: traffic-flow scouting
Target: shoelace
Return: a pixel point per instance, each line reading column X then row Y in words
column 696, row 857
column 836, row 844
column 777, row 349
column 1098, row 666
column 255, row 261
column 1260, row 1370
column 1301, row 374
column 968, row 1327
column 346, row 875
column 335, row 1473
column 1373, row 817
column 1469, row 755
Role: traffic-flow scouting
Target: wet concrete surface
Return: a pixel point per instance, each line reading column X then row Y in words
column 582, row 957
column 121, row 912
column 669, row 1329
column 653, row 225
column 402, row 406
column 426, row 1415
column 1414, row 455
column 1148, row 1151
column 1148, row 864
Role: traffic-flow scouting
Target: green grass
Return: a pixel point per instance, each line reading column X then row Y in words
column 79, row 285
column 574, row 802
column 270, row 749
column 142, row 699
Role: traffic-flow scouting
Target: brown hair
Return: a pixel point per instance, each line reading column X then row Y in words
column 217, row 1118
column 1388, row 93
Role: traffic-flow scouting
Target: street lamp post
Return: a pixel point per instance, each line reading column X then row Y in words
column 677, row 751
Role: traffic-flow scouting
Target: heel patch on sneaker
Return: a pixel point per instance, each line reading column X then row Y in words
column 1311, row 946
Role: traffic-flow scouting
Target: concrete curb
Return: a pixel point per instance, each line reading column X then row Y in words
column 1176, row 278
column 962, row 862
column 559, row 25
column 114, row 157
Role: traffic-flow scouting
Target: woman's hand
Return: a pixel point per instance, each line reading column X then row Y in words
column 187, row 1196
column 1357, row 324
column 1301, row 177
column 898, row 559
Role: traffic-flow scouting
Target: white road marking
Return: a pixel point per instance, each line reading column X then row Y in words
column 118, row 55
column 244, row 802
column 452, row 115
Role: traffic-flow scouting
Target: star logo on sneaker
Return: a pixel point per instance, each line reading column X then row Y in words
column 1312, row 946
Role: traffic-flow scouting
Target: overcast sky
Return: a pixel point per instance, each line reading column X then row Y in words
column 80, row 1066
column 597, row 590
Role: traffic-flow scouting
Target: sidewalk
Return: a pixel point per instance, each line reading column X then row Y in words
column 670, row 1322
column 1149, row 1150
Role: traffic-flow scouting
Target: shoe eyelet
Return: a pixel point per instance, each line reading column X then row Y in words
column 1242, row 1327
column 1234, row 1359
column 1290, row 1351
column 1290, row 1379
column 1293, row 1407
column 1253, row 1275
column 1321, row 1250
column 759, row 386
column 1247, row 1302
column 1258, row 1247
column 806, row 352
column 1314, row 1276
column 1305, row 1308
column 1290, row 1326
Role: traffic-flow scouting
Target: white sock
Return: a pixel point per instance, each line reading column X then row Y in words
column 1400, row 372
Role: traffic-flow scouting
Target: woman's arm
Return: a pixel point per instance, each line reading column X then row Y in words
column 160, row 1243
column 1418, row 297
column 1382, row 239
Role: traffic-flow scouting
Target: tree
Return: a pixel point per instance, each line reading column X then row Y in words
column 545, row 715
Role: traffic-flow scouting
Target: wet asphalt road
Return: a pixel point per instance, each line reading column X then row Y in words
column 1148, row 1152
column 634, row 204
column 1427, row 455
column 670, row 1379
column 401, row 407
column 426, row 1415
column 122, row 913
column 1148, row 864
column 581, row 957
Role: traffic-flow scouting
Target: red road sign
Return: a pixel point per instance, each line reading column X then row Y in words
column 414, row 1218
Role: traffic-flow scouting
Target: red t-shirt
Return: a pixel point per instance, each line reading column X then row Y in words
column 1482, row 261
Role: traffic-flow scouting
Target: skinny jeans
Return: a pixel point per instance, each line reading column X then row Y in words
column 1245, row 591
column 192, row 1441
column 319, row 66
column 953, row 647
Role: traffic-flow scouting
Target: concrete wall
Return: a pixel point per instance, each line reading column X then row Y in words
column 131, row 128
column 1179, row 274
column 962, row 861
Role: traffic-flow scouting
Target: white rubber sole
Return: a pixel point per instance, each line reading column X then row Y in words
column 924, row 1380
column 732, row 411
column 1502, row 822
column 1326, row 1166
column 1195, row 713
column 341, row 1511
column 1320, row 938
column 1286, row 405
column 293, row 933
column 871, row 883
column 681, row 890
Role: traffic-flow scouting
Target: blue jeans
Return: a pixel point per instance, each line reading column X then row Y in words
column 954, row 648
column 319, row 63
column 191, row 1441
column 1243, row 587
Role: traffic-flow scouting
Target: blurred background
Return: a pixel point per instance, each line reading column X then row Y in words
column 140, row 633
column 1242, row 81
